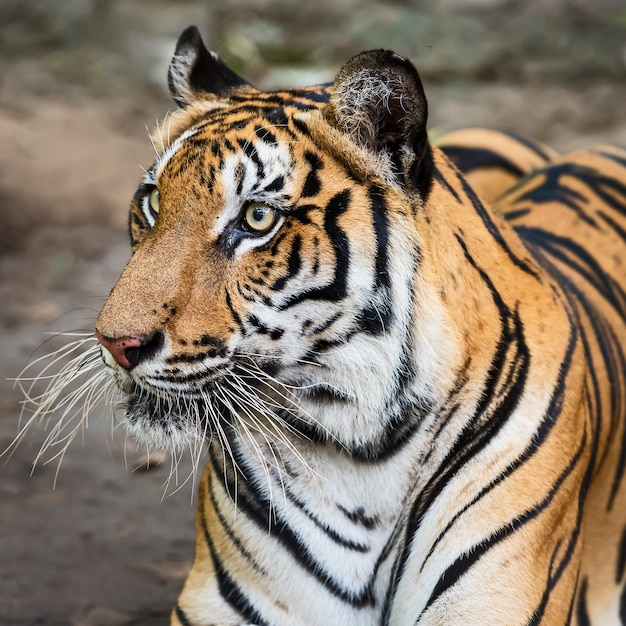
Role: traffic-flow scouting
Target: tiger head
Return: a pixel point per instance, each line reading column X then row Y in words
column 274, row 279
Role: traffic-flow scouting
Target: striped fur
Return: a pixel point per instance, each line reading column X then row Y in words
column 415, row 410
column 492, row 161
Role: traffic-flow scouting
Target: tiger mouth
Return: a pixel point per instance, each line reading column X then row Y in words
column 198, row 412
column 167, row 412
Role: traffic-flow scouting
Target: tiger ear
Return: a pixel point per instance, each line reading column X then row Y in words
column 379, row 102
column 197, row 73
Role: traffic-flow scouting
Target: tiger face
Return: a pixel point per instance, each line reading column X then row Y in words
column 267, row 277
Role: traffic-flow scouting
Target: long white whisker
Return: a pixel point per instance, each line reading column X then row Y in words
column 58, row 393
column 268, row 421
column 273, row 357
column 281, row 391
column 225, row 397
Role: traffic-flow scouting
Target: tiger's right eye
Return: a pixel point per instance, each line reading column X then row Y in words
column 154, row 200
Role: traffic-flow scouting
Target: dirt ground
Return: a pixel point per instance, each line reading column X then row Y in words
column 110, row 544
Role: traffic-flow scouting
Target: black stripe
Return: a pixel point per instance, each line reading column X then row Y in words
column 469, row 159
column 490, row 415
column 332, row 534
column 618, row 228
column 528, row 143
column 257, row 508
column 613, row 362
column 578, row 260
column 360, row 518
column 380, row 222
column 182, row 617
column 294, row 263
column 375, row 319
column 443, row 181
column 553, row 189
column 621, row 559
column 325, row 325
column 276, row 185
column 572, row 602
column 317, row 95
column 234, row 314
column 468, row 559
column 251, row 152
column 265, row 135
column 582, row 613
column 516, row 214
column 245, row 292
column 263, row 329
column 337, row 289
column 612, row 156
column 235, row 541
column 594, row 400
column 240, row 176
column 278, row 117
column 548, row 422
column 492, row 228
column 312, row 183
column 229, row 590
column 300, row 126
column 556, row 573
column 398, row 432
column 538, row 614
column 480, row 210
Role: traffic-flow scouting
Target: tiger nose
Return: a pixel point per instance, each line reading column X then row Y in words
column 128, row 352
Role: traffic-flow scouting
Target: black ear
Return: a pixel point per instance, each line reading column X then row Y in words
column 196, row 72
column 379, row 101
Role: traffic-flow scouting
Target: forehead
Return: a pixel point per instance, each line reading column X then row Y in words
column 212, row 126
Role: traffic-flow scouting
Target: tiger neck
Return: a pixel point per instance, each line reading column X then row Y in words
column 331, row 513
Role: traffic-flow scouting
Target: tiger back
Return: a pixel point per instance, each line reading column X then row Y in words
column 414, row 405
column 493, row 161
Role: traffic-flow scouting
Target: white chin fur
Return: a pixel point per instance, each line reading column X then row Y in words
column 159, row 436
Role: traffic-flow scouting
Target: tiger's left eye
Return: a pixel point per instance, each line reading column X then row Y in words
column 155, row 200
column 259, row 217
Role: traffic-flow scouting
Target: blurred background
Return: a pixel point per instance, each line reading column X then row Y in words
column 81, row 81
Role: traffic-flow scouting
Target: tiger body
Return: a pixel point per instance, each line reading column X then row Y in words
column 415, row 404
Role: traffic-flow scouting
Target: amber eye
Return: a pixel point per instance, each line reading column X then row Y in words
column 154, row 200
column 259, row 217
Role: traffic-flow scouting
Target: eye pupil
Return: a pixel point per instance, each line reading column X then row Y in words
column 259, row 213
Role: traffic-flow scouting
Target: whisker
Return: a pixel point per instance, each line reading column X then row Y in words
column 156, row 151
column 273, row 357
column 58, row 392
column 273, row 425
column 224, row 397
column 293, row 408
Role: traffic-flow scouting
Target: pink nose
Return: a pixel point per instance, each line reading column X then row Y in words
column 120, row 349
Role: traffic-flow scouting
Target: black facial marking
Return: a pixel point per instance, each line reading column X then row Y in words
column 263, row 329
column 293, row 264
column 312, row 184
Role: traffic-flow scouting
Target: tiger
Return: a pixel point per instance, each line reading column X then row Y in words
column 493, row 161
column 411, row 399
